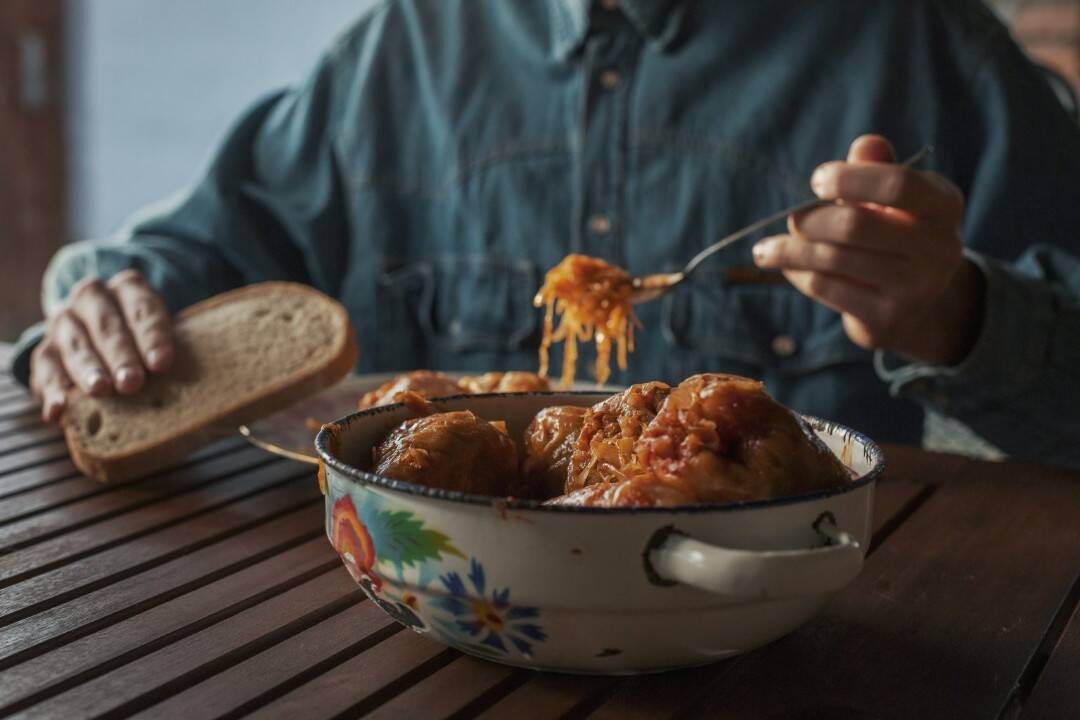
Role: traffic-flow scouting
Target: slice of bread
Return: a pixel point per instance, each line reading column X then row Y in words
column 240, row 355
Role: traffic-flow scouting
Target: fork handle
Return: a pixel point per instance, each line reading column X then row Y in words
column 749, row 229
column 778, row 215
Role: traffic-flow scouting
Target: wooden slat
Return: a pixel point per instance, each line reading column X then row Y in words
column 447, row 691
column 36, row 434
column 250, row 683
column 1056, row 695
column 11, row 391
column 66, row 490
column 547, row 695
column 136, row 685
column 943, row 618
column 268, row 566
column 51, row 495
column 38, row 476
column 362, row 681
column 19, row 422
column 72, row 579
column 36, row 455
column 66, row 618
column 99, row 507
column 57, row 551
column 19, row 407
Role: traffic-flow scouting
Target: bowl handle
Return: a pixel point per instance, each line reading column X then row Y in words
column 673, row 557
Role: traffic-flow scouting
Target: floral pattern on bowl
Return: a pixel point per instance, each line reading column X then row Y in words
column 487, row 625
column 414, row 573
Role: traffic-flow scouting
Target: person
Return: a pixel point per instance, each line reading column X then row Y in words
column 444, row 153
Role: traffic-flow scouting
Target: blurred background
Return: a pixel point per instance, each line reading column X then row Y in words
column 108, row 105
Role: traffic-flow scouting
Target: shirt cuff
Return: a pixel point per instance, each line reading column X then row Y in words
column 1008, row 355
column 20, row 360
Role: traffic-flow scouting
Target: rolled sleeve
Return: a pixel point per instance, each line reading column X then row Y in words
column 20, row 359
column 1008, row 356
column 1018, row 387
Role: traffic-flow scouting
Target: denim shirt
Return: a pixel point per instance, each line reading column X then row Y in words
column 445, row 153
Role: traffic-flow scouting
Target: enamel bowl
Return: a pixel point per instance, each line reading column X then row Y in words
column 589, row 590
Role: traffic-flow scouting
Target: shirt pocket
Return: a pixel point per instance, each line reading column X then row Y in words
column 711, row 325
column 457, row 312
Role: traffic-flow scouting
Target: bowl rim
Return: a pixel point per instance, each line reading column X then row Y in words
column 871, row 451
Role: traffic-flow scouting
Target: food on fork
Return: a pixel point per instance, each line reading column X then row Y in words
column 592, row 298
column 240, row 355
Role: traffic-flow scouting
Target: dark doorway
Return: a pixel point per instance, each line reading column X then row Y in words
column 32, row 185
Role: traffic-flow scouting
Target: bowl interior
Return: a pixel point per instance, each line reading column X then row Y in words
column 347, row 444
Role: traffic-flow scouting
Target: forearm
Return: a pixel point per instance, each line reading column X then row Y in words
column 1019, row 387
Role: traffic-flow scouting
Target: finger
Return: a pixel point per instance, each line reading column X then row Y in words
column 93, row 305
column 49, row 380
column 888, row 185
column 838, row 293
column 146, row 317
column 854, row 225
column 78, row 357
column 788, row 252
column 871, row 148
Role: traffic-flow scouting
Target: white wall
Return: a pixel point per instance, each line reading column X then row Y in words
column 154, row 84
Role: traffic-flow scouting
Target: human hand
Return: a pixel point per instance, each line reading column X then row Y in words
column 887, row 255
column 103, row 339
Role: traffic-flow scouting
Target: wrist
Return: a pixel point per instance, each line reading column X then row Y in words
column 947, row 332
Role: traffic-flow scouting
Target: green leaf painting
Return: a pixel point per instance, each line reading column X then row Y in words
column 402, row 539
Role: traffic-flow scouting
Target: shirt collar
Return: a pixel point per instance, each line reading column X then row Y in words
column 658, row 21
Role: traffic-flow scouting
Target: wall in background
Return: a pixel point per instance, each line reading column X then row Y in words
column 32, row 153
column 154, row 84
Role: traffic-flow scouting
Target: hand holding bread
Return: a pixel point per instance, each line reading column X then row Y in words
column 234, row 358
column 106, row 338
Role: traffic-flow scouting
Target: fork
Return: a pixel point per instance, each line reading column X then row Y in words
column 650, row 287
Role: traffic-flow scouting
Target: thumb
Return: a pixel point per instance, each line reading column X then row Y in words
column 871, row 148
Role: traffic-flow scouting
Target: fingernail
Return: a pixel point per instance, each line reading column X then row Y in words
column 817, row 180
column 158, row 358
column 54, row 405
column 96, row 382
column 765, row 250
column 128, row 378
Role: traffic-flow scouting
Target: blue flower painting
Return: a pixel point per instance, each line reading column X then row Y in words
column 489, row 624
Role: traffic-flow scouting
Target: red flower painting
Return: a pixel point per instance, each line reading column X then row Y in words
column 352, row 540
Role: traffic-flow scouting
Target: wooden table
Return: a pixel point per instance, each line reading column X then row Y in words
column 211, row 591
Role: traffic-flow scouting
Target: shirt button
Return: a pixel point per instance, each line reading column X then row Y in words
column 610, row 5
column 600, row 224
column 610, row 79
column 783, row 346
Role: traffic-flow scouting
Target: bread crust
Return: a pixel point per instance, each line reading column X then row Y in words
column 178, row 442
